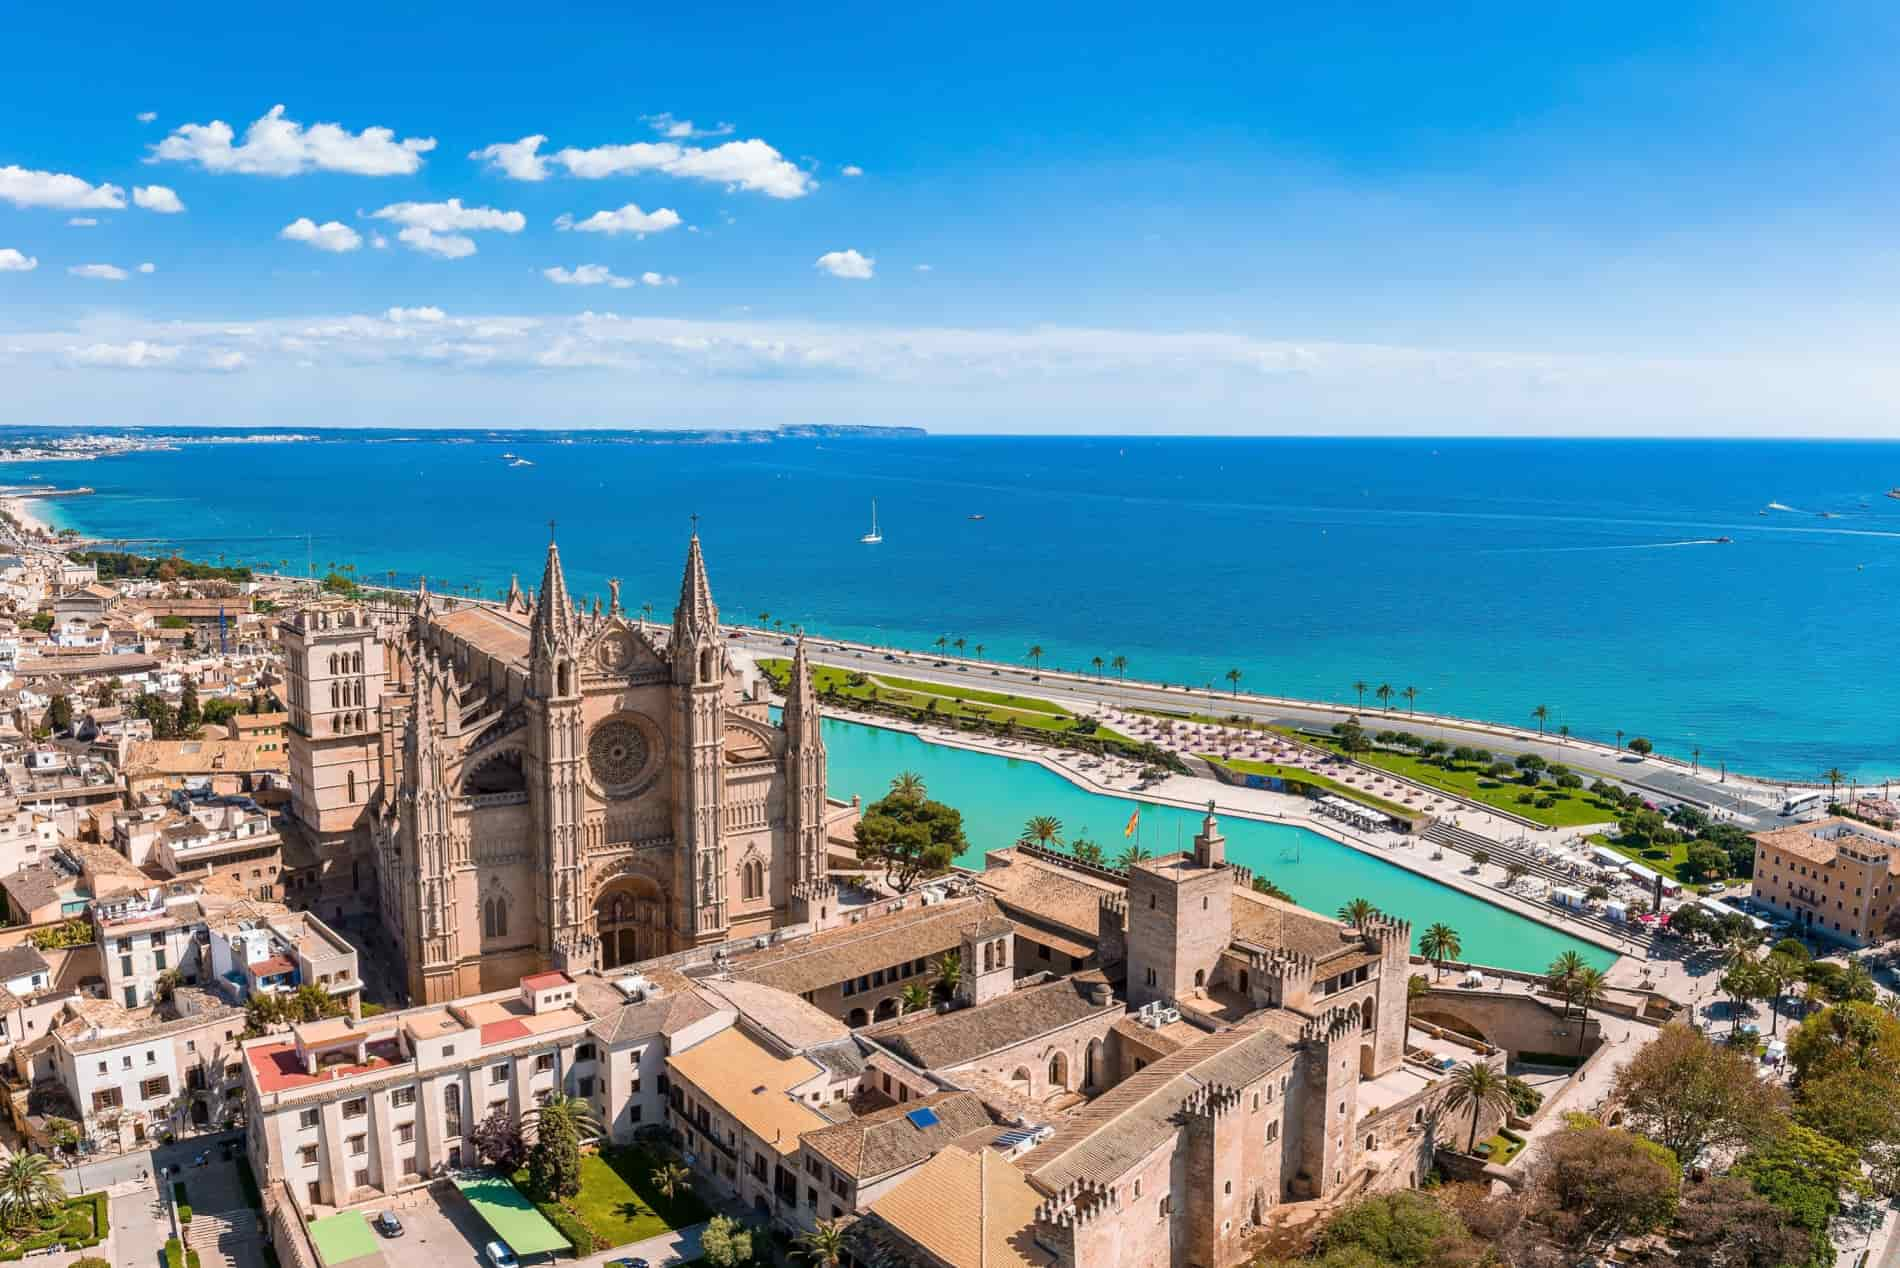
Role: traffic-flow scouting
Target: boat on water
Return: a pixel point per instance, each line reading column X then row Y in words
column 521, row 462
column 507, row 455
column 1829, row 515
column 1894, row 492
column 977, row 516
column 1724, row 541
column 873, row 537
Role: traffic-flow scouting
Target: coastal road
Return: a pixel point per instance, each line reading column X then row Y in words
column 1752, row 803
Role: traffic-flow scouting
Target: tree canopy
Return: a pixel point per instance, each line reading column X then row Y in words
column 910, row 837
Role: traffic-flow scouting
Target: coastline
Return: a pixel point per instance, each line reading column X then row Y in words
column 1190, row 792
column 27, row 509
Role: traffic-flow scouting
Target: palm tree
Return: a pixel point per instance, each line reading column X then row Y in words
column 908, row 786
column 1361, row 686
column 1856, row 983
column 570, row 1111
column 912, row 998
column 824, row 1245
column 1384, row 692
column 1233, row 676
column 1130, row 856
column 1098, row 662
column 1778, row 973
column 1587, row 990
column 1085, row 850
column 943, row 641
column 765, row 619
column 1562, row 973
column 1619, row 739
column 1542, row 714
column 1514, row 872
column 1120, row 665
column 978, row 649
column 1357, row 912
column 1411, row 699
column 1440, row 943
column 949, row 973
column 29, row 1186
column 669, row 1178
column 1834, row 778
column 1563, row 733
column 960, row 644
column 1479, row 1086
column 1044, row 830
column 1035, row 656
column 1695, row 759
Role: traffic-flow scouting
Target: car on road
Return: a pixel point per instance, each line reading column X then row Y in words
column 889, row 657
column 938, row 664
column 627, row 1263
column 499, row 1256
column 786, row 642
column 996, row 673
column 1716, row 887
column 386, row 1223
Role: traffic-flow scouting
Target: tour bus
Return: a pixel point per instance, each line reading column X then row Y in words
column 1801, row 803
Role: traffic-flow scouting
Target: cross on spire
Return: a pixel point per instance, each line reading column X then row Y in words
column 695, row 519
column 550, row 530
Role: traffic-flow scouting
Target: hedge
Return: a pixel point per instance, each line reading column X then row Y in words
column 569, row 1225
column 174, row 1253
column 181, row 1201
column 69, row 1225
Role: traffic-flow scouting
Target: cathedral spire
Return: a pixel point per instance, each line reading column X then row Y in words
column 801, row 701
column 515, row 600
column 696, row 616
column 551, row 627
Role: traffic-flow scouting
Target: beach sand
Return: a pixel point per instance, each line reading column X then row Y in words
column 30, row 514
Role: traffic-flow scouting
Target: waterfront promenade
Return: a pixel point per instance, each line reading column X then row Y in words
column 1751, row 801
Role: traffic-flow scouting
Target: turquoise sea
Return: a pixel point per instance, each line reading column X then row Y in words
column 1494, row 576
column 996, row 795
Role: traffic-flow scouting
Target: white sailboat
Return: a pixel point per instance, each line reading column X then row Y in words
column 873, row 537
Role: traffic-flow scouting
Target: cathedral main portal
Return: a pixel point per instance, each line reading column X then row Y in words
column 630, row 918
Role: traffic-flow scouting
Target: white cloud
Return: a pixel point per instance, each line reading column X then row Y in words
column 276, row 146
column 14, row 261
column 682, row 129
column 136, row 355
column 923, row 268
column 659, row 279
column 852, row 169
column 82, row 222
column 378, row 241
column 99, row 272
column 629, row 219
column 157, row 198
column 25, row 187
column 331, row 235
column 587, row 275
column 516, row 159
column 752, row 165
column 847, row 264
column 148, row 267
column 428, row 315
column 227, row 361
column 447, row 246
column 147, row 116
column 440, row 229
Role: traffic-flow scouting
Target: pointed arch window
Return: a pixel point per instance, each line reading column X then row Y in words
column 494, row 918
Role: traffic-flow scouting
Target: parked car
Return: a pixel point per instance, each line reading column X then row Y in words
column 499, row 1256
column 386, row 1223
column 627, row 1263
column 889, row 657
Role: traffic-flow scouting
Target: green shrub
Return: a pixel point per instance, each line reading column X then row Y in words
column 570, row 1226
column 174, row 1253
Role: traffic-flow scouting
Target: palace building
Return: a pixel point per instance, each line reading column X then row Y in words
column 532, row 786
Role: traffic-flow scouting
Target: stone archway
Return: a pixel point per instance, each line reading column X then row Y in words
column 630, row 919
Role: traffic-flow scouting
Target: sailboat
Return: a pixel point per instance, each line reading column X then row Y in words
column 873, row 537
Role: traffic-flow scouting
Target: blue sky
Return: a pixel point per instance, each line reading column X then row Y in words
column 1385, row 219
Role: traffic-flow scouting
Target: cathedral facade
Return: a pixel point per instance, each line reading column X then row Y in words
column 549, row 787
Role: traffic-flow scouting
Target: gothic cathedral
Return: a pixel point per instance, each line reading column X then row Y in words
column 547, row 787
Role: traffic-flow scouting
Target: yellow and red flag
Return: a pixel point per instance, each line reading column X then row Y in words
column 1134, row 821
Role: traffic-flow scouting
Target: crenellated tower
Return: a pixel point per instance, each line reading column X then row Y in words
column 805, row 771
column 554, row 686
column 698, row 657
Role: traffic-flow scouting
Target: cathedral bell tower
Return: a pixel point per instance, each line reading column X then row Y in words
column 555, row 695
column 698, row 657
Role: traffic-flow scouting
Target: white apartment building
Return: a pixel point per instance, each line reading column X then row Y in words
column 350, row 1111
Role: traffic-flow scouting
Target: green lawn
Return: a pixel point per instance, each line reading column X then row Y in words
column 1573, row 806
column 1503, row 1148
column 618, row 1202
column 1246, row 767
column 950, row 702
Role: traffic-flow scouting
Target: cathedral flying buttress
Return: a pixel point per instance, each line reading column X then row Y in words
column 580, row 788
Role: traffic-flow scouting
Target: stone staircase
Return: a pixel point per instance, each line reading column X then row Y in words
column 230, row 1238
column 1466, row 841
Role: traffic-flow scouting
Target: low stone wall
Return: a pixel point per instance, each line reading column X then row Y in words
column 285, row 1227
